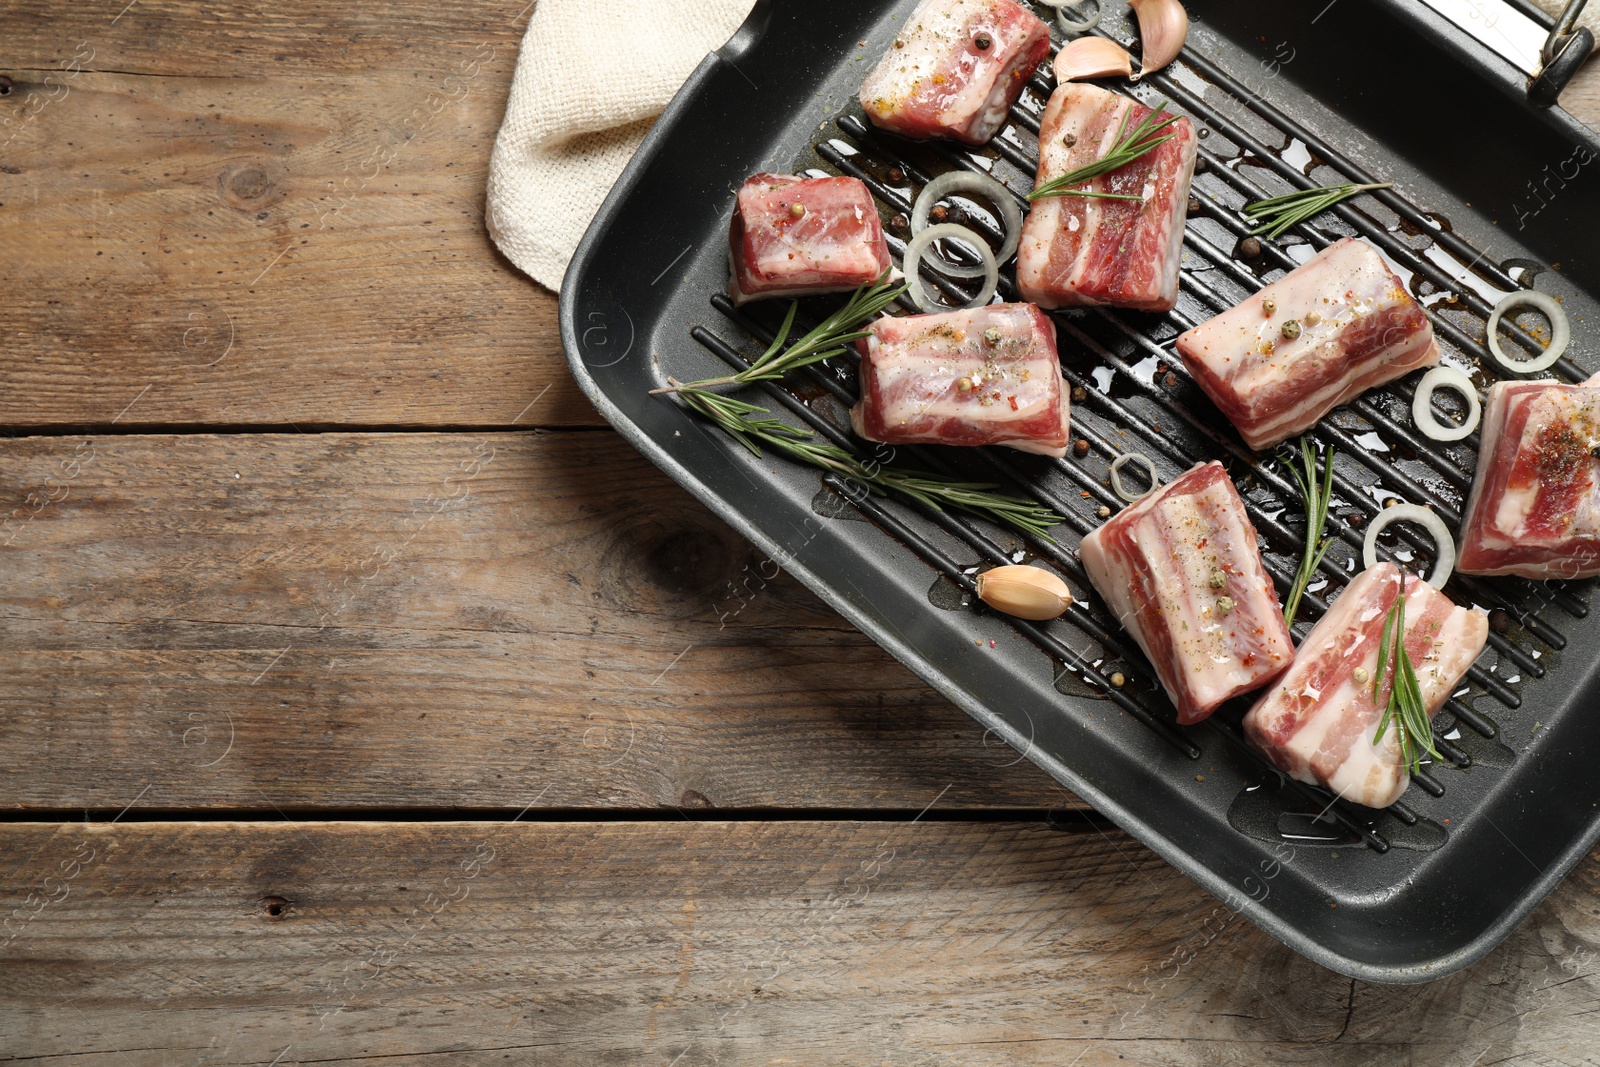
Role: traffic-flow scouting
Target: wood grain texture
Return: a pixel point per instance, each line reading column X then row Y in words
column 267, row 217
column 434, row 620
column 712, row 943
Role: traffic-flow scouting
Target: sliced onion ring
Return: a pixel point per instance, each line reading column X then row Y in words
column 1072, row 25
column 1445, row 545
column 1560, row 331
column 912, row 260
column 1422, row 404
column 965, row 181
column 1116, row 476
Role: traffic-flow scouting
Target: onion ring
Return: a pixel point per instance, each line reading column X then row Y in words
column 1070, row 25
column 965, row 181
column 1116, row 476
column 912, row 259
column 1445, row 561
column 1560, row 331
column 1422, row 404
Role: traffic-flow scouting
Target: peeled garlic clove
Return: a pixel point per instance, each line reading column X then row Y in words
column 1163, row 25
column 1026, row 592
column 1092, row 57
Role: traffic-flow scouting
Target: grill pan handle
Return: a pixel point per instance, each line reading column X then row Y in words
column 1548, row 55
column 1565, row 50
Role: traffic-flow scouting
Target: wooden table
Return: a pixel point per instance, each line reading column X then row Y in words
column 362, row 696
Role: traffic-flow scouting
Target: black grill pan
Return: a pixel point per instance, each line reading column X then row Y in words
column 1490, row 194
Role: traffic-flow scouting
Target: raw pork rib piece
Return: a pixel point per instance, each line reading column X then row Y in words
column 1316, row 724
column 1079, row 250
column 833, row 243
column 956, row 69
column 984, row 377
column 1182, row 571
column 1535, row 507
column 1358, row 328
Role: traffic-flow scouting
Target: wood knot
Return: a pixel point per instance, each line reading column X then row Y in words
column 274, row 909
column 248, row 185
column 693, row 798
column 5, row 85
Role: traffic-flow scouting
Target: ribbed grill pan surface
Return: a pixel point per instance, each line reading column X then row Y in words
column 1403, row 895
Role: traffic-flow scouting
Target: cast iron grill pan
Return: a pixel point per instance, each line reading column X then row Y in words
column 1398, row 895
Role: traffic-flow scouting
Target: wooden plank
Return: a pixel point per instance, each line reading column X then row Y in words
column 701, row 943
column 434, row 620
column 283, row 228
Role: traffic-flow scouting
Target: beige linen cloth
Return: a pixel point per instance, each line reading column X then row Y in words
column 591, row 78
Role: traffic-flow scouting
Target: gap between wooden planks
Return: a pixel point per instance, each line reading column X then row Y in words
column 434, row 621
column 702, row 943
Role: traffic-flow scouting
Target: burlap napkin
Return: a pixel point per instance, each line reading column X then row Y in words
column 591, row 78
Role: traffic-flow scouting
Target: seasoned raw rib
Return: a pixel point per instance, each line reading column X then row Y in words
column 940, row 79
column 1167, row 566
column 984, row 377
column 1535, row 507
column 1081, row 250
column 1358, row 328
column 835, row 244
column 1317, row 723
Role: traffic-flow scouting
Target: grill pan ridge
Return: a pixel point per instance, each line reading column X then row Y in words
column 1392, row 896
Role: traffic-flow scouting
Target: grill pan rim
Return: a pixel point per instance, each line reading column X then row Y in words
column 579, row 278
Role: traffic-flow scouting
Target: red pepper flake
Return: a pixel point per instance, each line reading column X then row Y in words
column 991, row 642
column 1013, row 402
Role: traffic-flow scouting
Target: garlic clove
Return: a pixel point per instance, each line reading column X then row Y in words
column 1026, row 592
column 1163, row 26
column 1091, row 57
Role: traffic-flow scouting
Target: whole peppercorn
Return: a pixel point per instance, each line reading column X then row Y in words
column 1250, row 248
column 1194, row 206
column 1291, row 330
column 1079, row 394
column 896, row 174
column 992, row 336
column 983, row 42
column 1080, row 447
column 900, row 224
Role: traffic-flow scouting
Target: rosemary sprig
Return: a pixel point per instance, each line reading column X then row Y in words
column 753, row 427
column 828, row 338
column 1405, row 710
column 1316, row 492
column 1128, row 147
column 1276, row 215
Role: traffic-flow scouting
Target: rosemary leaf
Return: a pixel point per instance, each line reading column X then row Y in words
column 1316, row 492
column 828, row 338
column 753, row 428
column 1276, row 215
column 1128, row 147
column 1406, row 709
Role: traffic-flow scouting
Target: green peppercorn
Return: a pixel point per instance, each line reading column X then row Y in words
column 1291, row 330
